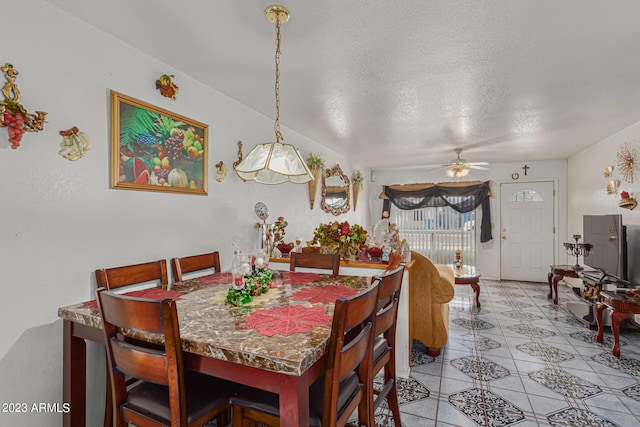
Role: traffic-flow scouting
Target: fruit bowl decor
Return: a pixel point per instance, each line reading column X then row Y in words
column 285, row 248
column 341, row 238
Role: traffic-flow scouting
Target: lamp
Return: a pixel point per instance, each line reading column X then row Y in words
column 458, row 172
column 274, row 162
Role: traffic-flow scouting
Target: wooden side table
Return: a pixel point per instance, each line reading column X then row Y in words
column 621, row 305
column 555, row 275
column 468, row 275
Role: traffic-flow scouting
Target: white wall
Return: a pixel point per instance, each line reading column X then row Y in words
column 488, row 255
column 587, row 184
column 60, row 220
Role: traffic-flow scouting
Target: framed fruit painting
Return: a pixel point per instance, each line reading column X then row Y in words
column 156, row 150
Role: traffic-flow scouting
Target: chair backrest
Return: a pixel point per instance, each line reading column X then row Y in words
column 387, row 310
column 125, row 357
column 117, row 277
column 314, row 260
column 192, row 263
column 350, row 346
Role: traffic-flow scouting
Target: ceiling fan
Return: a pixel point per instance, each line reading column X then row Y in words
column 459, row 168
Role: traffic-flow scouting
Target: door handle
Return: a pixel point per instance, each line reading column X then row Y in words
column 504, row 237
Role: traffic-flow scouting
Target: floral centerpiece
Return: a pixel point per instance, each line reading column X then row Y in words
column 277, row 232
column 341, row 238
column 254, row 280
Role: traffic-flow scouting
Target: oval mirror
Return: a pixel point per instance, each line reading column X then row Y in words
column 335, row 191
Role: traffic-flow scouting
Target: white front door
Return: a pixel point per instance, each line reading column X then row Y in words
column 527, row 230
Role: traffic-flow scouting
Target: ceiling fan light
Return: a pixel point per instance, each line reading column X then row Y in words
column 464, row 172
column 451, row 173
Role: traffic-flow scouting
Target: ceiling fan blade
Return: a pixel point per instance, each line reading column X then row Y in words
column 478, row 164
column 437, row 168
column 482, row 168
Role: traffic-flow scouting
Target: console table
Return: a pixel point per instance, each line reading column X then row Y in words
column 555, row 275
column 622, row 305
column 468, row 275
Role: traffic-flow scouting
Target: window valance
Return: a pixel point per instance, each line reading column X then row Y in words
column 416, row 196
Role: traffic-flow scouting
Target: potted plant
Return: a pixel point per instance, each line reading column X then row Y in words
column 356, row 182
column 315, row 162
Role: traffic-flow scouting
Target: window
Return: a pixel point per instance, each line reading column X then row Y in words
column 526, row 196
column 438, row 232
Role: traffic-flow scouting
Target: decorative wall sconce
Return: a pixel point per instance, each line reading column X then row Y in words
column 13, row 114
column 74, row 144
column 612, row 186
column 221, row 171
column 627, row 201
column 627, row 161
column 167, row 87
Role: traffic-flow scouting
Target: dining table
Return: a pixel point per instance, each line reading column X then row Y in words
column 277, row 342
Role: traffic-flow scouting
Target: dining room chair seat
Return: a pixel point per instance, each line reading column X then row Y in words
column 146, row 397
column 260, row 401
column 195, row 263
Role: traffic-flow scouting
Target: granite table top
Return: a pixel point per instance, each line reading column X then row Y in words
column 264, row 333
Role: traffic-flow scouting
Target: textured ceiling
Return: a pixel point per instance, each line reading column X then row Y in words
column 402, row 84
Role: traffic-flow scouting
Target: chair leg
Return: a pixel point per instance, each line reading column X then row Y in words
column 392, row 397
column 108, row 403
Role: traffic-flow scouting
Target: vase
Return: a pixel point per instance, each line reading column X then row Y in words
column 313, row 185
column 356, row 193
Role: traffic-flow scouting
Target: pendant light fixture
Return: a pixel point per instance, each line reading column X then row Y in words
column 275, row 162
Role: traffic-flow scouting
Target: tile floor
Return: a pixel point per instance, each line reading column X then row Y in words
column 520, row 360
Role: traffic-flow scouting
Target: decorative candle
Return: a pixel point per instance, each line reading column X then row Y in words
column 259, row 262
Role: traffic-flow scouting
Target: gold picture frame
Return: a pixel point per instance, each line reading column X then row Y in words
column 153, row 149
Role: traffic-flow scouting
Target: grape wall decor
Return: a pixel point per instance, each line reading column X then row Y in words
column 12, row 114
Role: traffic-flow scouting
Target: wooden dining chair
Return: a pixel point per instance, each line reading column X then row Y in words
column 121, row 277
column 384, row 345
column 336, row 394
column 167, row 395
column 127, row 275
column 314, row 260
column 189, row 264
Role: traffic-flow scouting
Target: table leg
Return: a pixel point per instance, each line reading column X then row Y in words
column 616, row 318
column 476, row 288
column 74, row 376
column 294, row 403
column 556, row 279
column 549, row 277
column 600, row 307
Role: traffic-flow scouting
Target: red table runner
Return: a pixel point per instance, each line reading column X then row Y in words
column 287, row 320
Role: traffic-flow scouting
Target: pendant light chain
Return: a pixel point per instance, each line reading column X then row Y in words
column 276, row 125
